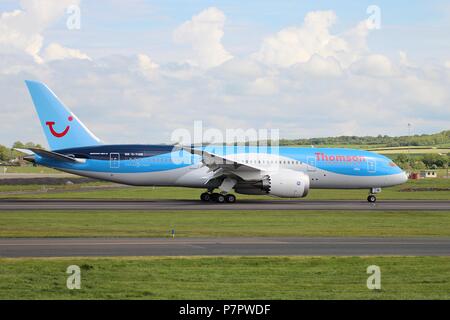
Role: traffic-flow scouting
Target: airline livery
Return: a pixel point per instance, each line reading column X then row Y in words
column 286, row 172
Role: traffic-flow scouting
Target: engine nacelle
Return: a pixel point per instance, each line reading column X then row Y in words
column 286, row 184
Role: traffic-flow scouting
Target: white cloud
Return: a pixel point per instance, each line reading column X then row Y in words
column 44, row 12
column 55, row 51
column 374, row 65
column 21, row 30
column 146, row 66
column 320, row 67
column 356, row 40
column 18, row 34
column 404, row 60
column 263, row 86
column 146, row 63
column 203, row 33
column 425, row 92
column 239, row 68
column 297, row 44
column 293, row 45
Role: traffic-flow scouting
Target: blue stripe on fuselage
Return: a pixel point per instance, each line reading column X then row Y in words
column 154, row 158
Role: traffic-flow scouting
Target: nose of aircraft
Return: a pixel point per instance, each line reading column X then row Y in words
column 403, row 177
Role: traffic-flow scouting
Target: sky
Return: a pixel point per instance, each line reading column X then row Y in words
column 135, row 71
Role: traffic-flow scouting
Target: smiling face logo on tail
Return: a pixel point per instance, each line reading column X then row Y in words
column 50, row 125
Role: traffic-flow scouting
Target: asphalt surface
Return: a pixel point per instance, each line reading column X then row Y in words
column 54, row 247
column 239, row 205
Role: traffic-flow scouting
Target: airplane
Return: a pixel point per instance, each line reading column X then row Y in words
column 290, row 172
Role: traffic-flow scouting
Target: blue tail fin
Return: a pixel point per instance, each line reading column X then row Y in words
column 61, row 127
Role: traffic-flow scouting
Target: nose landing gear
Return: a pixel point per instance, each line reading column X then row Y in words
column 218, row 197
column 372, row 198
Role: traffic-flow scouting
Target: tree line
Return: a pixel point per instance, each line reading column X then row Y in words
column 419, row 162
column 387, row 141
column 8, row 154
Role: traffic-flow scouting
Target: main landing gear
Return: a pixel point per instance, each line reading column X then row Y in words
column 218, row 197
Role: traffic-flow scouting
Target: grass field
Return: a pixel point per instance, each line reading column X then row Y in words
column 413, row 189
column 27, row 169
column 224, row 224
column 226, row 278
column 443, row 173
column 50, row 188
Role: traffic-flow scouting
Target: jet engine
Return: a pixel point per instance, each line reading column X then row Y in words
column 283, row 183
column 286, row 184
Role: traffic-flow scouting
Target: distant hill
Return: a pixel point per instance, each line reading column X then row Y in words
column 441, row 139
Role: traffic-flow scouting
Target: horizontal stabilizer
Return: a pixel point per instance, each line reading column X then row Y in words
column 50, row 155
column 26, row 151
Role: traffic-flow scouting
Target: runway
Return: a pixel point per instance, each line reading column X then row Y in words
column 54, row 247
column 437, row 205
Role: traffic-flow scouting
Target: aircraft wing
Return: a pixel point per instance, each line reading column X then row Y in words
column 219, row 165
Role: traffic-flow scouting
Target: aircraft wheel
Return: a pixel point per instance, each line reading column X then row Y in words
column 371, row 198
column 220, row 198
column 205, row 196
column 230, row 198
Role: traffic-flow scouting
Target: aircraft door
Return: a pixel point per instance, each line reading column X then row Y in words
column 114, row 160
column 311, row 164
column 371, row 166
